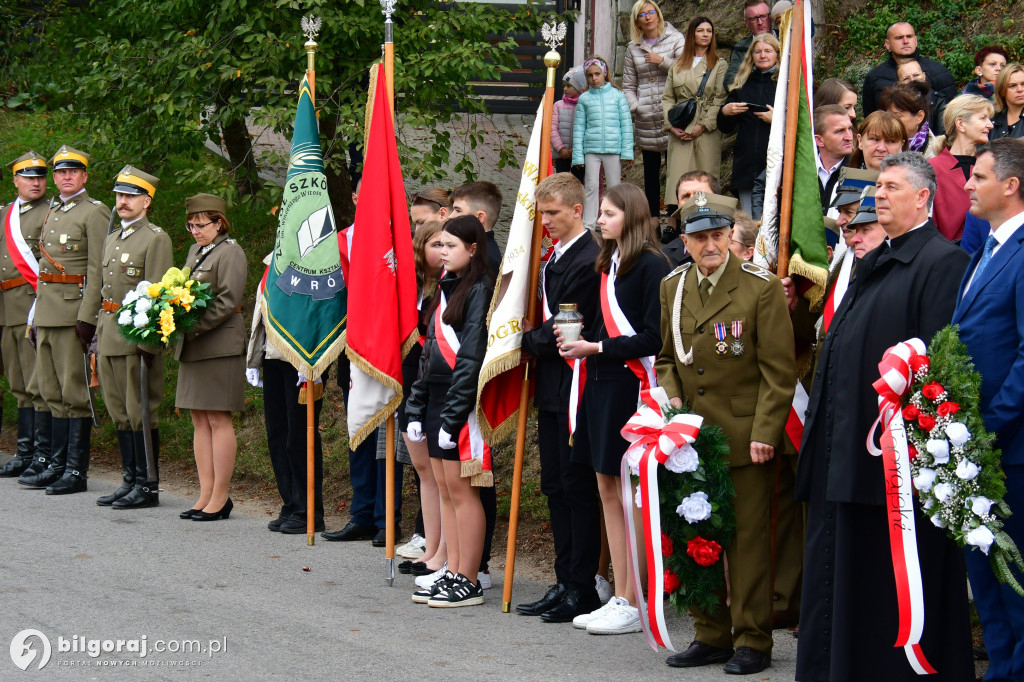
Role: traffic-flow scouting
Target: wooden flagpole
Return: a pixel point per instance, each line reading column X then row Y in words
column 311, row 26
column 796, row 46
column 551, row 60
column 388, row 7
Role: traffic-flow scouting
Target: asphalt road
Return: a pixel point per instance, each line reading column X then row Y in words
column 82, row 574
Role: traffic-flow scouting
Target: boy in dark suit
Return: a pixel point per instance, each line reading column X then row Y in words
column 569, row 276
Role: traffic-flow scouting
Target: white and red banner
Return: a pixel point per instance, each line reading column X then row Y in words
column 18, row 248
column 896, row 379
column 797, row 415
column 501, row 376
column 655, row 440
column 382, row 313
column 617, row 324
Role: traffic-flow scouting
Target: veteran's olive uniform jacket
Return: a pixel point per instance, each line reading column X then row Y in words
column 16, row 301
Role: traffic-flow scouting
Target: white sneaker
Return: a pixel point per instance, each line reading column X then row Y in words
column 619, row 620
column 414, row 548
column 604, row 588
column 484, row 578
column 581, row 621
column 426, row 581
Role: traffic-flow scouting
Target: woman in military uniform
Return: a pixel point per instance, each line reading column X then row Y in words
column 212, row 355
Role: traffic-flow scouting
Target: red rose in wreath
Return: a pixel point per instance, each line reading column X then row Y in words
column 704, row 552
column 933, row 390
column 911, row 412
column 671, row 582
column 947, row 409
column 926, row 422
column 919, row 362
column 666, row 545
column 912, row 451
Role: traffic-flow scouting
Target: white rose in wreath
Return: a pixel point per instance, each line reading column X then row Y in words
column 937, row 521
column 925, row 479
column 143, row 305
column 980, row 505
column 695, row 508
column 633, row 456
column 957, row 434
column 682, row 460
column 125, row 317
column 943, row 491
column 982, row 538
column 938, row 448
column 130, row 297
column 967, row 470
column 637, row 498
column 141, row 287
column 141, row 320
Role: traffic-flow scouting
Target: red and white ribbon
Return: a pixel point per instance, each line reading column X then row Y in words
column 617, row 324
column 18, row 248
column 896, row 379
column 472, row 445
column 656, row 441
column 579, row 375
column 797, row 415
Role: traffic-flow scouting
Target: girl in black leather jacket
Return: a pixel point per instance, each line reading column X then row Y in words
column 442, row 405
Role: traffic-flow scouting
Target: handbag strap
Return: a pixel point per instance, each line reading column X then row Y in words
column 703, row 82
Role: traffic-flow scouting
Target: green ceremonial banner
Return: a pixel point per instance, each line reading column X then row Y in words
column 304, row 300
column 808, row 248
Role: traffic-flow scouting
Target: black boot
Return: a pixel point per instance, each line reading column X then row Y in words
column 126, row 445
column 58, row 456
column 23, row 457
column 79, row 440
column 145, row 493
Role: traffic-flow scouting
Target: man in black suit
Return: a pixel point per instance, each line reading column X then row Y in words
column 901, row 42
column 571, row 488
column 833, row 134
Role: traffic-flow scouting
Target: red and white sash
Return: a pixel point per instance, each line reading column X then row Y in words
column 617, row 325
column 579, row 374
column 838, row 290
column 18, row 248
column 474, row 452
column 896, row 379
column 797, row 414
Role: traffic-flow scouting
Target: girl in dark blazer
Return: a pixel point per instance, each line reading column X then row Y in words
column 443, row 403
column 212, row 356
column 620, row 346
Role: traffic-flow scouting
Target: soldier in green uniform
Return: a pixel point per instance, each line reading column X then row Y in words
column 19, row 265
column 137, row 251
column 67, row 304
column 728, row 353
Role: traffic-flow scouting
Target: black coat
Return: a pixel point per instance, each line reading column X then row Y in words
column 637, row 292
column 570, row 279
column 884, row 75
column 676, row 252
column 896, row 293
column 1000, row 127
column 472, row 334
column 750, row 154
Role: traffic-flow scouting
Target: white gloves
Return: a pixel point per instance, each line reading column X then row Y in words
column 445, row 441
column 301, row 379
column 415, row 432
column 252, row 375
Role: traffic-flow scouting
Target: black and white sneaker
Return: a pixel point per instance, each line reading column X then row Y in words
column 460, row 592
column 438, row 588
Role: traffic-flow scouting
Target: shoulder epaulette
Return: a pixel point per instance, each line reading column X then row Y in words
column 681, row 270
column 96, row 201
column 756, row 271
column 230, row 240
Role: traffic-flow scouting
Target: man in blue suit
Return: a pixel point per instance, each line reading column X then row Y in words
column 990, row 312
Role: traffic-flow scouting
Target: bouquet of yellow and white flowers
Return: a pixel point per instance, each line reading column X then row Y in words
column 157, row 312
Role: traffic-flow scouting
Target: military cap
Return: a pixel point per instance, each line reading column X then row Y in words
column 133, row 181
column 866, row 212
column 67, row 157
column 707, row 211
column 852, row 182
column 204, row 203
column 29, row 165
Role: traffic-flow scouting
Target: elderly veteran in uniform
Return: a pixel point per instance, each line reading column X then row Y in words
column 19, row 265
column 212, row 355
column 137, row 251
column 67, row 307
column 728, row 354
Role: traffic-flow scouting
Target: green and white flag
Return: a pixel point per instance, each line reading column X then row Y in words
column 304, row 299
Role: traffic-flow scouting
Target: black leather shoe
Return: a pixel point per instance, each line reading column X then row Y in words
column 697, row 654
column 223, row 513
column 574, row 603
column 297, row 526
column 275, row 525
column 188, row 514
column 550, row 600
column 380, row 539
column 353, row 531
column 747, row 661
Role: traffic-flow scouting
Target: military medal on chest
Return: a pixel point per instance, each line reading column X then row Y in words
column 737, row 331
column 721, row 332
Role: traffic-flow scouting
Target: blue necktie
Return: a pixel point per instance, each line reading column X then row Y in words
column 990, row 244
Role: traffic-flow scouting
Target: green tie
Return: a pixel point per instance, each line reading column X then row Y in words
column 704, row 289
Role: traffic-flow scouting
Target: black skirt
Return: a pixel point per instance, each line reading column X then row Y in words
column 437, row 394
column 605, row 408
